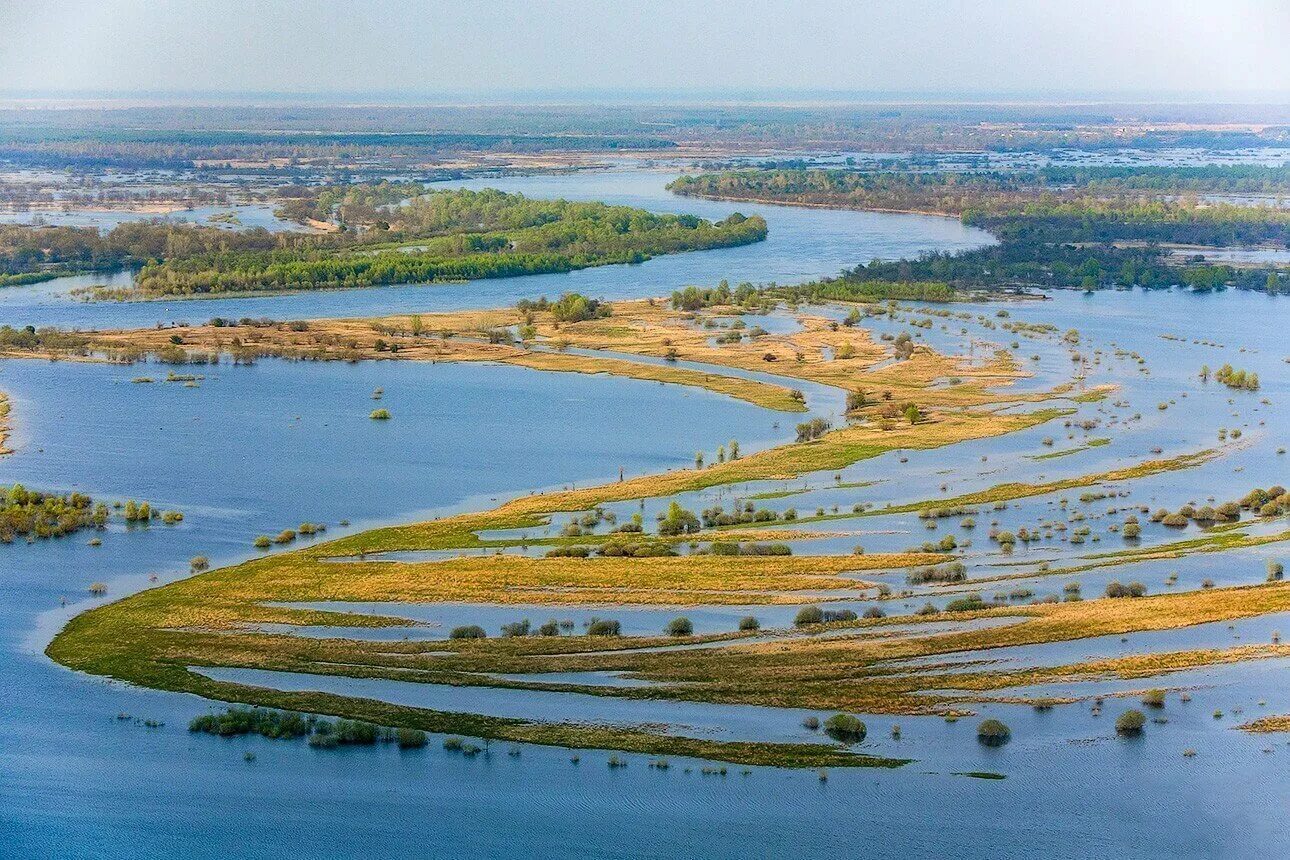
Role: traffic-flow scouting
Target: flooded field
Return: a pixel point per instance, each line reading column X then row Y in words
column 253, row 450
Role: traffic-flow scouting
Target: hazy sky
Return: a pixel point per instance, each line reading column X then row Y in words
column 1094, row 46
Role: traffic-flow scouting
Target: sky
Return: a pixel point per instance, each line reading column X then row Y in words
column 943, row 47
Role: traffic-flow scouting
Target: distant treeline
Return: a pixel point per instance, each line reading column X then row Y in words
column 357, row 203
column 1015, row 263
column 177, row 149
column 184, row 133
column 954, row 193
column 1060, row 227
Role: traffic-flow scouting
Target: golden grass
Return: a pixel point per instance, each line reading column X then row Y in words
column 646, row 328
column 1278, row 723
column 150, row 638
column 4, row 423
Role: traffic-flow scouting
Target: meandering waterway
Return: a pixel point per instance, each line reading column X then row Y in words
column 256, row 449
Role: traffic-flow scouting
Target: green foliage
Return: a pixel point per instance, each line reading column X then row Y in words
column 845, row 728
column 680, row 626
column 993, row 732
column 1056, row 226
column 678, row 521
column 1130, row 722
column 442, row 236
column 34, row 515
column 604, row 627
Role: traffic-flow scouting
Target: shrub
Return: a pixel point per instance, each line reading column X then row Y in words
column 748, row 622
column 604, row 627
column 263, row 542
column 993, row 733
column 1154, row 698
column 808, row 615
column 516, row 629
column 380, row 415
column 569, row 552
column 410, row 738
column 809, row 431
column 679, row 626
column 811, row 723
column 198, row 563
column 1130, row 722
column 874, row 612
column 845, row 728
column 965, row 604
column 1133, row 589
column 468, row 631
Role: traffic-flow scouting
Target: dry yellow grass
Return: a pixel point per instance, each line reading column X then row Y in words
column 4, row 423
column 645, row 328
column 1278, row 723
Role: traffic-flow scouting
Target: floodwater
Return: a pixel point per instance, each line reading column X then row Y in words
column 256, row 449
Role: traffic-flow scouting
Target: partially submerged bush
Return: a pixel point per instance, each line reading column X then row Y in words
column 468, row 631
column 993, row 733
column 845, row 728
column 1133, row 589
column 604, row 627
column 1130, row 722
column 680, row 626
column 808, row 615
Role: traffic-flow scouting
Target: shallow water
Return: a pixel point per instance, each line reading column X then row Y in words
column 254, row 450
column 803, row 244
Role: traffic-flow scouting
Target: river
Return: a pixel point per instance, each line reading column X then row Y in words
column 256, row 449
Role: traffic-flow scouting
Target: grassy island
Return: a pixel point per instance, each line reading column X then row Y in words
column 436, row 236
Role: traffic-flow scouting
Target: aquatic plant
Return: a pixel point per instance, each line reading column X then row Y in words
column 1130, row 722
column 846, row 728
column 515, row 628
column 808, row 615
column 993, row 733
column 261, row 721
column 680, row 626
